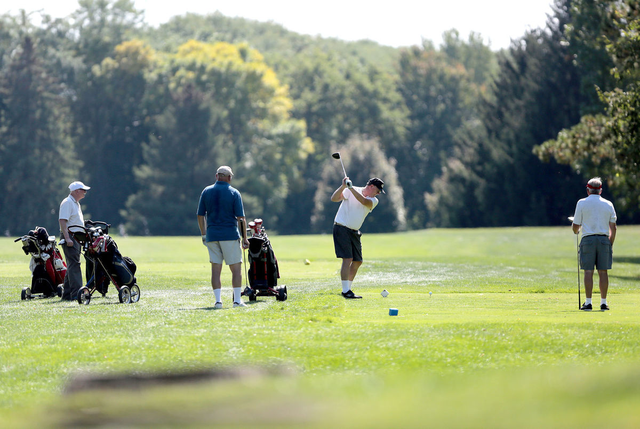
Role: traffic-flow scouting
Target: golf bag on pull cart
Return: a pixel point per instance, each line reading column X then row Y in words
column 47, row 266
column 263, row 266
column 105, row 264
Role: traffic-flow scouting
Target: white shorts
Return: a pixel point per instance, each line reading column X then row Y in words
column 229, row 251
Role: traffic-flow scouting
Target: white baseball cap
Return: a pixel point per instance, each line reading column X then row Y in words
column 225, row 170
column 78, row 185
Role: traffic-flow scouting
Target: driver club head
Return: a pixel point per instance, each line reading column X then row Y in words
column 570, row 218
column 336, row 155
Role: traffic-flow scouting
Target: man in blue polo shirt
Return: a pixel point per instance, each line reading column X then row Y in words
column 597, row 218
column 221, row 221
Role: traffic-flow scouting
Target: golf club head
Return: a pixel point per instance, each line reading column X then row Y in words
column 570, row 218
column 336, row 155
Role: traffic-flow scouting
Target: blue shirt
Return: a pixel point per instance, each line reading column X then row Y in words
column 221, row 204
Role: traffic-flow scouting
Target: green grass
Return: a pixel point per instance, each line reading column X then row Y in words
column 499, row 343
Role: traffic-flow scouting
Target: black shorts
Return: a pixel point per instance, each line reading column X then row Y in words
column 347, row 243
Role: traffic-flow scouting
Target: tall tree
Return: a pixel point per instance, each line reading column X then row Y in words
column 494, row 179
column 221, row 104
column 112, row 127
column 36, row 158
column 436, row 93
column 338, row 99
column 606, row 144
column 109, row 119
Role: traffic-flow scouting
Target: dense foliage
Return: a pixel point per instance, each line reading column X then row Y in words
column 607, row 143
column 145, row 115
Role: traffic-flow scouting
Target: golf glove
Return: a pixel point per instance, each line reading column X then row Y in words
column 204, row 239
column 349, row 184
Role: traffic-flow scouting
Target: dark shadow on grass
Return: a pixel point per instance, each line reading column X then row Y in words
column 83, row 381
column 227, row 307
column 632, row 278
column 626, row 259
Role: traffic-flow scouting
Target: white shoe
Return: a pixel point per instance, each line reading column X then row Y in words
column 218, row 305
column 239, row 304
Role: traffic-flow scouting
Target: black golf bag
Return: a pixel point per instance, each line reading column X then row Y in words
column 263, row 269
column 263, row 265
column 105, row 264
column 122, row 268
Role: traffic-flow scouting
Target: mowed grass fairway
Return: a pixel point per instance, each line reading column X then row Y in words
column 499, row 343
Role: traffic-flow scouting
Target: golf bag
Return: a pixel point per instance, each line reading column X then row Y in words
column 263, row 271
column 47, row 266
column 263, row 265
column 105, row 264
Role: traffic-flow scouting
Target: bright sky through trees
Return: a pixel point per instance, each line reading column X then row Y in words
column 397, row 23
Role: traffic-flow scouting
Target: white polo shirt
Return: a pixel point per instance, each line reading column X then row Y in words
column 594, row 214
column 71, row 211
column 351, row 213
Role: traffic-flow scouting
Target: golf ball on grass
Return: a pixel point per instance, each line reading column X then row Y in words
column 307, row 262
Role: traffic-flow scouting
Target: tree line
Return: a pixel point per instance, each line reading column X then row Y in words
column 463, row 136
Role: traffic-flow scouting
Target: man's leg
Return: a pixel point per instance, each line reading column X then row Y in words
column 236, row 281
column 73, row 279
column 345, row 270
column 353, row 270
column 216, row 284
column 588, row 283
column 604, row 283
column 347, row 274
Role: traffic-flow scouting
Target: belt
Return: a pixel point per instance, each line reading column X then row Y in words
column 345, row 226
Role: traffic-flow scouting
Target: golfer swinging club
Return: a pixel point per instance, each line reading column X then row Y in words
column 355, row 204
column 597, row 217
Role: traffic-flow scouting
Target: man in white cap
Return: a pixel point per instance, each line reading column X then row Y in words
column 597, row 219
column 223, row 226
column 70, row 215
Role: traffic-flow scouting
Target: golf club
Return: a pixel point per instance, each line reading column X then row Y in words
column 336, row 155
column 578, row 258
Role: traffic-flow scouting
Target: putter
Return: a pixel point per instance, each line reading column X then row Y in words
column 336, row 155
column 578, row 258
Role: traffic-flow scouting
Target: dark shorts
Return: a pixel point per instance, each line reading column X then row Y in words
column 347, row 243
column 595, row 251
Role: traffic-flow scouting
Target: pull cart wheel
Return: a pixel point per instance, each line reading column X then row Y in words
column 124, row 294
column 84, row 296
column 135, row 293
column 282, row 294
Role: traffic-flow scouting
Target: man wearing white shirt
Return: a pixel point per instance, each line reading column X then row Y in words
column 355, row 204
column 597, row 218
column 70, row 215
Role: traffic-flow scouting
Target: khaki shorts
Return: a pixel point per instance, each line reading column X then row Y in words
column 595, row 251
column 229, row 251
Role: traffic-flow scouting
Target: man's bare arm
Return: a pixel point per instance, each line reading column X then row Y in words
column 613, row 228
column 361, row 199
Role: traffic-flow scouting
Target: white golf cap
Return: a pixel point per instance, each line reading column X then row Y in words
column 78, row 185
column 225, row 170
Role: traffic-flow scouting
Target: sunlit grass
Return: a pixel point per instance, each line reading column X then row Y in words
column 503, row 307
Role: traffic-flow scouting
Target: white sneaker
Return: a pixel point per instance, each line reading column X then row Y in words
column 218, row 305
column 239, row 304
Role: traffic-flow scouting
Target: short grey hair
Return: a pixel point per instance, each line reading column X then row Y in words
column 594, row 185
